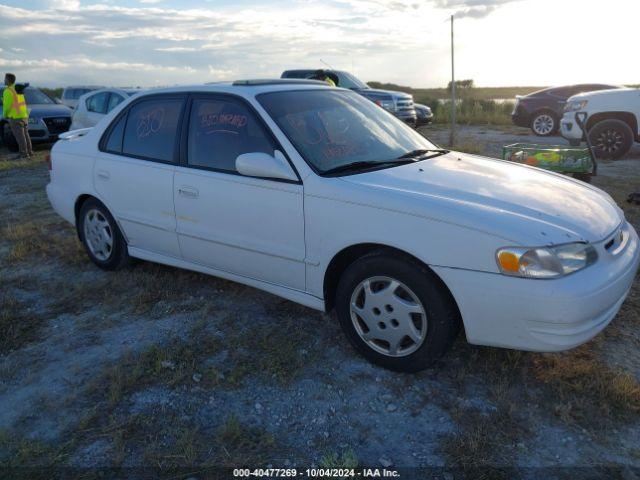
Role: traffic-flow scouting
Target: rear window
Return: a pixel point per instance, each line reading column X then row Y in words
column 151, row 129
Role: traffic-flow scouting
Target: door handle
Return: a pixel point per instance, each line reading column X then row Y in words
column 188, row 192
column 103, row 175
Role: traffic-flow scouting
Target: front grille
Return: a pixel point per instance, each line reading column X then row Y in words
column 37, row 133
column 404, row 105
column 57, row 125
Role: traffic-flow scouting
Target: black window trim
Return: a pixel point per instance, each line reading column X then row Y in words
column 184, row 135
column 125, row 112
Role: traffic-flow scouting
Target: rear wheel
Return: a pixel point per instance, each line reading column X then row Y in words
column 101, row 236
column 395, row 312
column 612, row 139
column 544, row 123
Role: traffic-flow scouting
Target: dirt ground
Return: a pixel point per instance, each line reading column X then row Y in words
column 161, row 368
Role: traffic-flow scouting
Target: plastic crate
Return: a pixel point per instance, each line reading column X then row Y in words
column 558, row 158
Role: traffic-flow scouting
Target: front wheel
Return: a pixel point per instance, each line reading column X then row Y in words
column 612, row 139
column 395, row 312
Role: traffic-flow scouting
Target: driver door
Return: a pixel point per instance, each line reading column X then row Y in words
column 253, row 227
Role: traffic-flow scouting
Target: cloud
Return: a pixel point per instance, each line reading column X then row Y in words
column 472, row 8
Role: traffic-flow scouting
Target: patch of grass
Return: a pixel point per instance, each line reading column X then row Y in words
column 471, row 111
column 585, row 389
column 17, row 324
column 347, row 460
column 242, row 444
column 6, row 165
column 482, row 446
column 16, row 453
column 37, row 241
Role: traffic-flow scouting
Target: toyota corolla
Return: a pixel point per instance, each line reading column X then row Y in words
column 319, row 196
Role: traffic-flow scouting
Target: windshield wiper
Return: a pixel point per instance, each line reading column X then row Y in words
column 363, row 165
column 422, row 152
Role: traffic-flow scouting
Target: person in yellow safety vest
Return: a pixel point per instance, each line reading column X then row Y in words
column 14, row 110
column 324, row 76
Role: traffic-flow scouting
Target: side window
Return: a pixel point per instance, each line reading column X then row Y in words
column 98, row 103
column 151, row 129
column 220, row 130
column 114, row 141
column 114, row 101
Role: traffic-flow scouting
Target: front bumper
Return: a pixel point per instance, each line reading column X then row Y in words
column 545, row 315
column 521, row 120
column 569, row 128
column 48, row 129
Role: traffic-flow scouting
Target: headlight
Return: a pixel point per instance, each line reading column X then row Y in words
column 575, row 105
column 386, row 104
column 33, row 120
column 545, row 262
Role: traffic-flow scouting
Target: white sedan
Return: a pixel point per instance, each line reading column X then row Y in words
column 319, row 196
column 94, row 105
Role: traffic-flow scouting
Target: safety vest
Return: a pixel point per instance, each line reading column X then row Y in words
column 18, row 106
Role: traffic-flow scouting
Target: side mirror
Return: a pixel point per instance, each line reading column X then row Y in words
column 259, row 164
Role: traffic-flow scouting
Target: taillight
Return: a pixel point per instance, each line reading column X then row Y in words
column 47, row 160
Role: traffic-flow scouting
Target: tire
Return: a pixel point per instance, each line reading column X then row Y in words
column 612, row 139
column 544, row 123
column 583, row 177
column 434, row 323
column 95, row 227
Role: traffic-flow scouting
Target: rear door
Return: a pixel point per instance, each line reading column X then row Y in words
column 134, row 172
column 252, row 227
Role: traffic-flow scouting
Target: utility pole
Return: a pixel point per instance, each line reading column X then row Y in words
column 452, row 134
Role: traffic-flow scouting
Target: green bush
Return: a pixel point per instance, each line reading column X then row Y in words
column 473, row 111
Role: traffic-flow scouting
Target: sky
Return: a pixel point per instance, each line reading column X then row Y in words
column 407, row 42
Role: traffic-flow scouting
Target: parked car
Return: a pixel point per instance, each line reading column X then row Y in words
column 613, row 120
column 316, row 195
column 93, row 106
column 424, row 115
column 47, row 119
column 70, row 95
column 398, row 103
column 542, row 110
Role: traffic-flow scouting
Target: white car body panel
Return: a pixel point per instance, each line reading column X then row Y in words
column 451, row 212
column 625, row 100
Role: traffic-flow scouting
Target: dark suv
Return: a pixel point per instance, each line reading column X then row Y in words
column 398, row 103
column 542, row 110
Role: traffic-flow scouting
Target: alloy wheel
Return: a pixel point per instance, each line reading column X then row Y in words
column 609, row 141
column 388, row 316
column 543, row 124
column 98, row 234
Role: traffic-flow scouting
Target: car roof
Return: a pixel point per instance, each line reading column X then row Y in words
column 95, row 87
column 245, row 88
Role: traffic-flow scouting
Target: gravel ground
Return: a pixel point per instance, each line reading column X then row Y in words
column 160, row 368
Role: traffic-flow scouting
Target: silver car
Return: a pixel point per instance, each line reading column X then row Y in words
column 93, row 106
column 70, row 95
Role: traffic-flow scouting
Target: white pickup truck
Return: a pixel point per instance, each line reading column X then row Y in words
column 612, row 120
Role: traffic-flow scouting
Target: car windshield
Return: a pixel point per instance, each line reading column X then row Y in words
column 346, row 80
column 333, row 128
column 33, row 96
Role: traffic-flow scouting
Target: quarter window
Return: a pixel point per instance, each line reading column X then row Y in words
column 114, row 141
column 98, row 103
column 220, row 130
column 151, row 129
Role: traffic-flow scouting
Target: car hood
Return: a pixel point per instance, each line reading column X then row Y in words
column 377, row 93
column 614, row 92
column 43, row 110
column 524, row 204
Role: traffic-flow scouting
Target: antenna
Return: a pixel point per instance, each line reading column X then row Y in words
column 322, row 61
